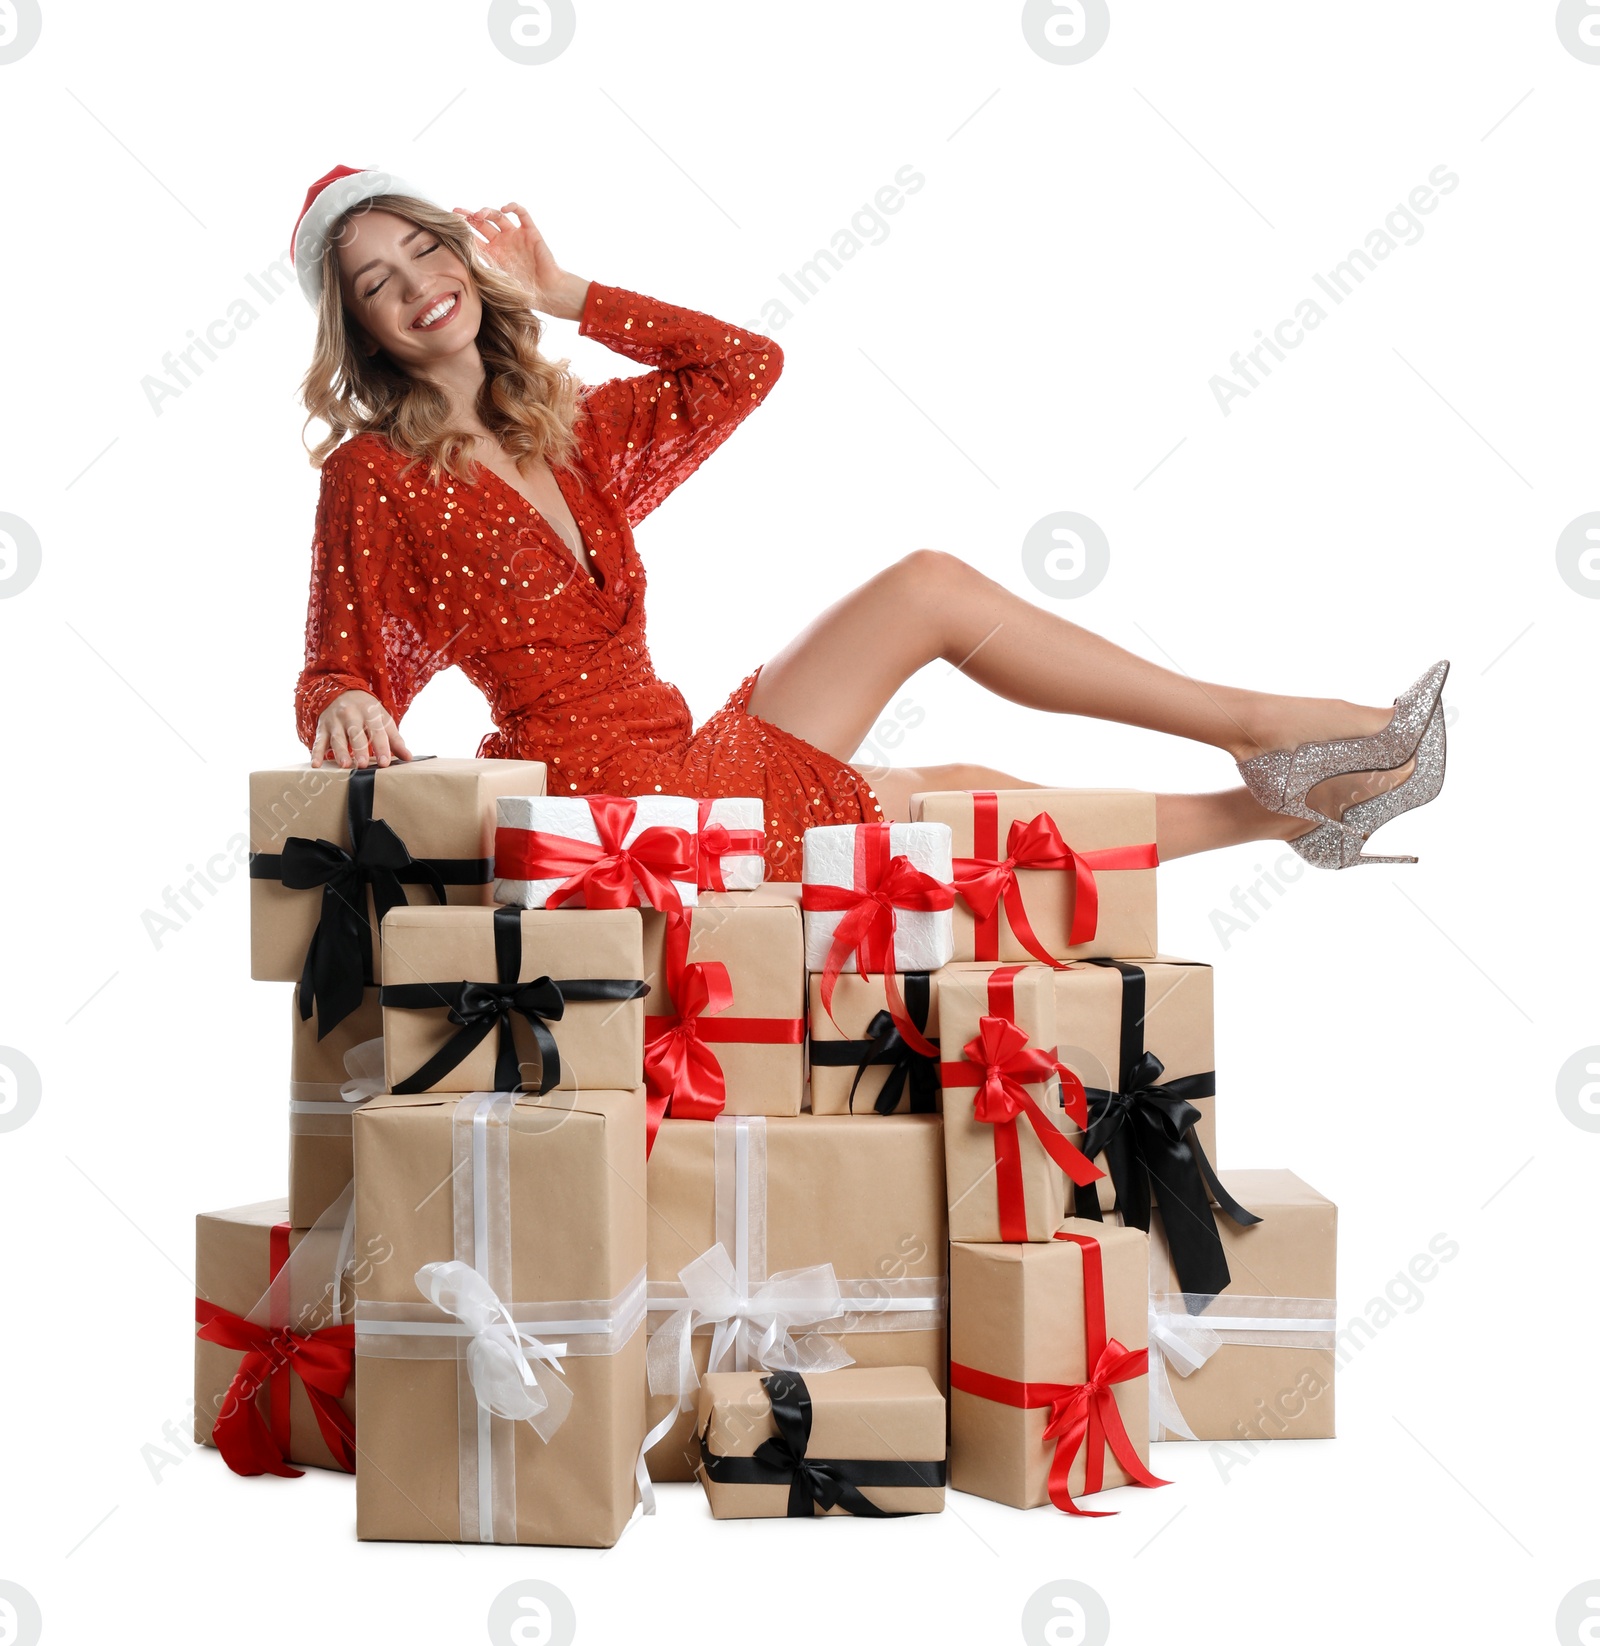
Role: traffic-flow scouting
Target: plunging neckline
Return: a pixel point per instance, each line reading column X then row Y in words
column 597, row 577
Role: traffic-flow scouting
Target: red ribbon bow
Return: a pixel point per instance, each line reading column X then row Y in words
column 985, row 881
column 602, row 876
column 884, row 884
column 682, row 1073
column 1084, row 1417
column 718, row 841
column 1000, row 1063
column 323, row 1360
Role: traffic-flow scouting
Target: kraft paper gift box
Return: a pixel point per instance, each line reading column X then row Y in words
column 320, row 1116
column 324, row 841
column 858, row 1058
column 732, row 843
column 1048, row 1396
column 1011, row 1159
column 865, row 1440
column 501, row 1209
column 845, row 864
column 832, row 1230
column 1257, row 1361
column 1138, row 1035
column 724, row 1026
column 1049, row 873
column 273, row 1354
column 591, row 850
column 478, row 999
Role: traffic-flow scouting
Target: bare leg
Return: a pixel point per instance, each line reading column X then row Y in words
column 1185, row 823
column 832, row 681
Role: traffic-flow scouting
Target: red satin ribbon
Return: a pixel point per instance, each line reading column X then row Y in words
column 883, row 885
column 683, row 1075
column 602, row 876
column 717, row 841
column 986, row 882
column 1000, row 1063
column 323, row 1360
column 1083, row 1416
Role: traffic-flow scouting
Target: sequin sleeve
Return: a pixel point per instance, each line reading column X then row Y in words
column 648, row 433
column 363, row 624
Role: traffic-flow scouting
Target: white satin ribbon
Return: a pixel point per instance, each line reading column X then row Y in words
column 1185, row 1344
column 753, row 1316
column 363, row 1063
column 756, row 1322
column 323, row 1108
column 506, row 1374
column 501, row 1356
column 1186, row 1330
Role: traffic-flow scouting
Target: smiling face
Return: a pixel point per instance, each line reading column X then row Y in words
column 406, row 289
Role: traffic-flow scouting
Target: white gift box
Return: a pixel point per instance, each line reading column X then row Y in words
column 731, row 871
column 924, row 939
column 572, row 817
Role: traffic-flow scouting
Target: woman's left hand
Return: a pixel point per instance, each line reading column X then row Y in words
column 515, row 245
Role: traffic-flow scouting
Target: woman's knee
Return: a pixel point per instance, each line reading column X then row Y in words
column 933, row 571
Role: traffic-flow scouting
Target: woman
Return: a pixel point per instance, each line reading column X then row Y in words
column 482, row 516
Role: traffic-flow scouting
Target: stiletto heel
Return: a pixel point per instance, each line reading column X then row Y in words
column 1337, row 844
column 1280, row 779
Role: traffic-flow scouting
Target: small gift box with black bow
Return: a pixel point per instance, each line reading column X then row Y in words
column 505, row 1000
column 865, row 1441
column 333, row 850
column 1138, row 1035
column 861, row 1062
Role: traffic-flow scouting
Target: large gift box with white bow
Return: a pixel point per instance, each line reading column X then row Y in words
column 328, row 1078
column 1048, row 1396
column 332, row 849
column 803, row 1243
column 490, row 999
column 273, row 1353
column 1049, row 874
column 1257, row 1360
column 501, row 1346
column 598, row 851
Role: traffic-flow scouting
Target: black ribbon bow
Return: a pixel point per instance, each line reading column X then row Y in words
column 781, row 1460
column 884, row 1046
column 340, row 958
column 1146, row 1130
column 479, row 1008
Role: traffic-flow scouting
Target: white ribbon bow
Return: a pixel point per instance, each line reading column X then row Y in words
column 762, row 1323
column 500, row 1356
column 1185, row 1343
column 364, row 1065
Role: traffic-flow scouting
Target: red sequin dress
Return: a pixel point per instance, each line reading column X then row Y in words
column 408, row 578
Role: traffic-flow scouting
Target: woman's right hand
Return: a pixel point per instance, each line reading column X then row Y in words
column 356, row 729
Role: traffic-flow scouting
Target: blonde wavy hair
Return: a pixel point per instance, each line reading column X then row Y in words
column 531, row 404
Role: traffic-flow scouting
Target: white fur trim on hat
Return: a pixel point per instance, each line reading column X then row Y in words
column 324, row 208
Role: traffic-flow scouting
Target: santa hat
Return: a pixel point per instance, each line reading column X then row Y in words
column 327, row 200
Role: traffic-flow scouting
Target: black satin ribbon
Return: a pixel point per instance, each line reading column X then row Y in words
column 883, row 1046
column 341, row 957
column 1146, row 1130
column 813, row 1482
column 479, row 1008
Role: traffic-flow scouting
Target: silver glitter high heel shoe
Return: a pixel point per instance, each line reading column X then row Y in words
column 1338, row 844
column 1280, row 779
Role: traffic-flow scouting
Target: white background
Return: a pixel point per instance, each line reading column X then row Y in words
column 1035, row 333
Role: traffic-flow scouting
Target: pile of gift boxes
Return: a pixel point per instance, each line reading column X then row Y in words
column 612, row 1164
